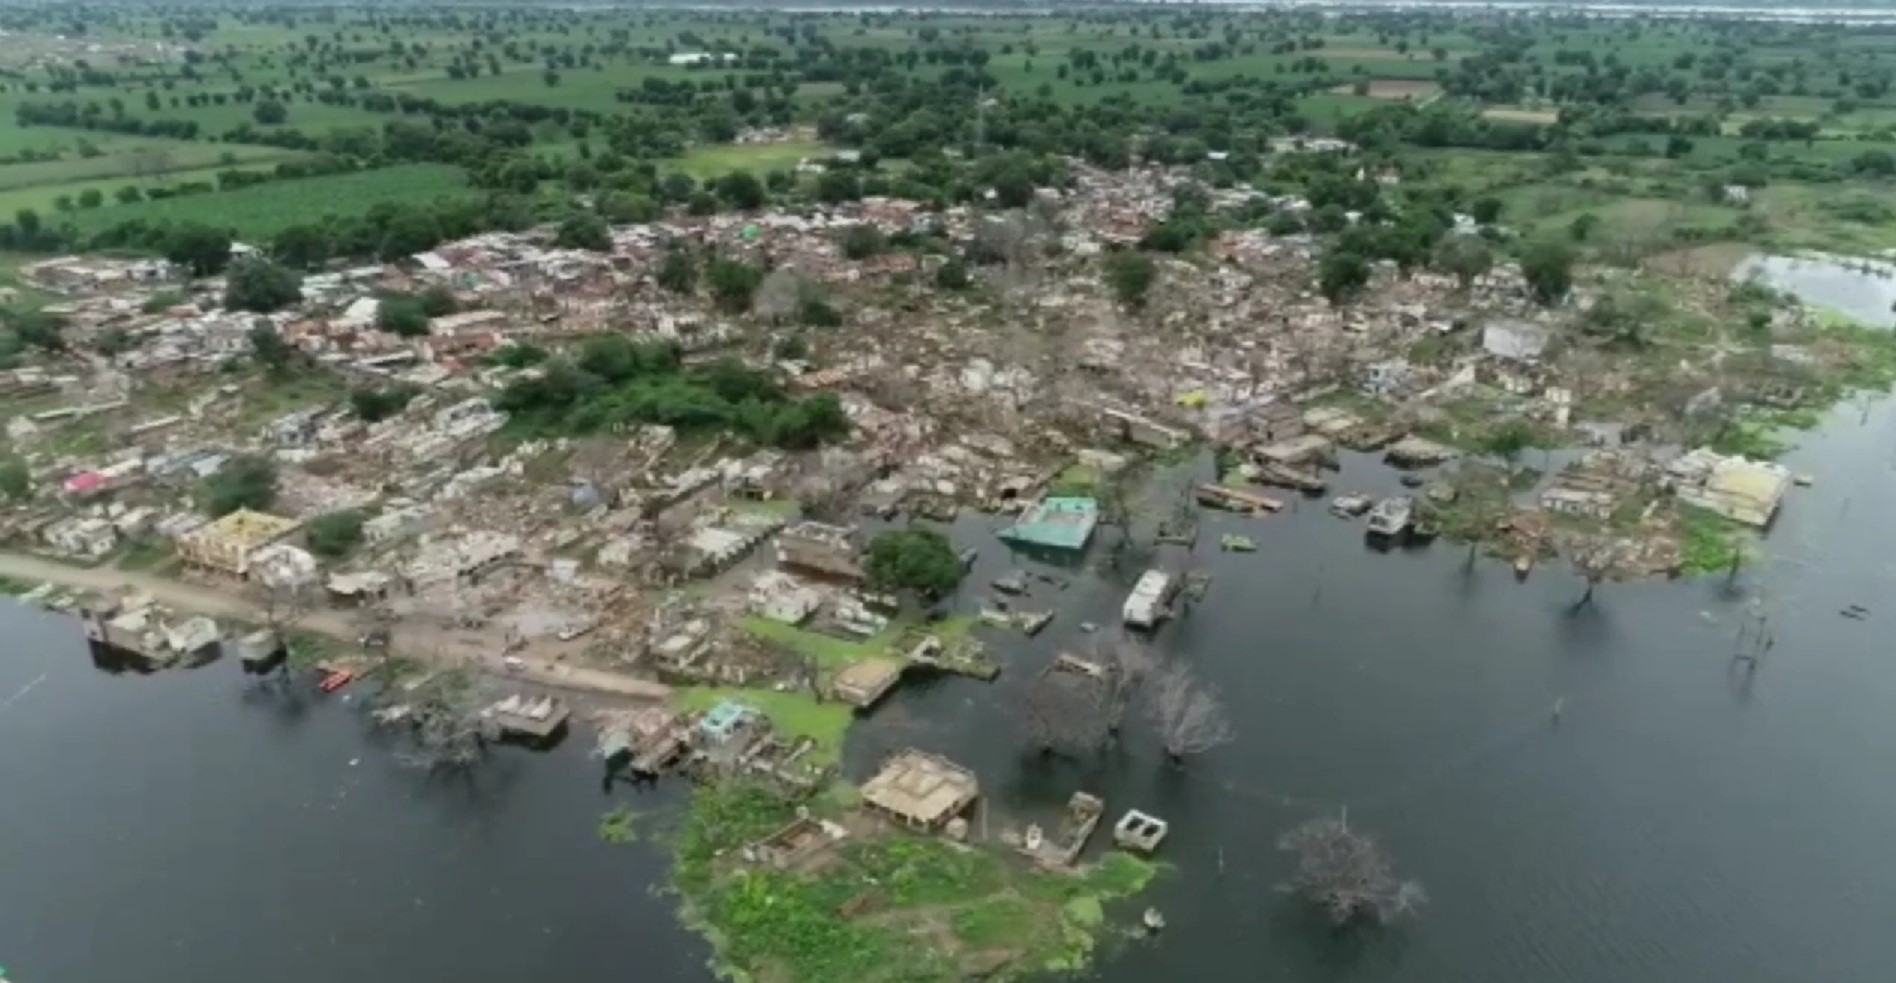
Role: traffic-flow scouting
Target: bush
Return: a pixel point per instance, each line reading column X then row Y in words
column 245, row 483
column 257, row 285
column 402, row 315
column 1130, row 276
column 921, row 560
column 334, row 535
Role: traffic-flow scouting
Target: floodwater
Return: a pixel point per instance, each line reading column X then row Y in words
column 1679, row 821
column 1862, row 288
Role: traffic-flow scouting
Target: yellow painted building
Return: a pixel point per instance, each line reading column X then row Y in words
column 226, row 545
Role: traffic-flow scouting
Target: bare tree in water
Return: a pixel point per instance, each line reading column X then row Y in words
column 1129, row 663
column 1067, row 713
column 1188, row 715
column 1347, row 874
column 450, row 730
column 1594, row 561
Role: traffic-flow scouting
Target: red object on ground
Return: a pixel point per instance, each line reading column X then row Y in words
column 336, row 680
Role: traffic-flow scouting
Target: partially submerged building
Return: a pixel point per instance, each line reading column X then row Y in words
column 1739, row 489
column 1056, row 523
column 920, row 790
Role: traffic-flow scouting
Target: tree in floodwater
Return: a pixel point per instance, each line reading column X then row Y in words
column 1347, row 874
column 449, row 730
column 1188, row 716
column 1129, row 663
column 1594, row 562
column 1067, row 713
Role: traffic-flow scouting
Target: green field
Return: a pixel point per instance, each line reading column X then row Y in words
column 264, row 210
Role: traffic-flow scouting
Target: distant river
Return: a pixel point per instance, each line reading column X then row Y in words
column 1676, row 823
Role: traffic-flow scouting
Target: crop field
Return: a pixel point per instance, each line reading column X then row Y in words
column 266, row 209
column 559, row 93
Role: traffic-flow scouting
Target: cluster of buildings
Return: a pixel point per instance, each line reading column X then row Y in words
column 987, row 399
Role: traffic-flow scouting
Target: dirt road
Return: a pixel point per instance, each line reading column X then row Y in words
column 415, row 640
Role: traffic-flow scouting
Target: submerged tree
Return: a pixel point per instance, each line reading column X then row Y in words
column 1067, row 713
column 1347, row 874
column 1188, row 716
column 450, row 730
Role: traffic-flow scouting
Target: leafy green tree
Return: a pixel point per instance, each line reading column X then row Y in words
column 952, row 275
column 861, row 241
column 335, row 534
column 837, row 185
column 584, row 230
column 1341, row 274
column 248, row 482
column 408, row 232
column 374, row 405
column 270, row 112
column 621, row 208
column 1548, row 267
column 257, row 285
column 741, row 190
column 270, row 350
column 302, row 247
column 678, row 271
column 438, row 301
column 1465, row 257
column 1508, row 440
column 402, row 315
column 1486, row 209
column 1130, row 276
column 199, row 248
column 732, row 283
column 91, row 198
column 16, row 482
column 920, row 560
column 35, row 327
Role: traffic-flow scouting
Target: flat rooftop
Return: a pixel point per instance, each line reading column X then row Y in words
column 921, row 788
column 1062, row 523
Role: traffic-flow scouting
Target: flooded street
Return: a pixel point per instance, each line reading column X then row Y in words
column 1679, row 821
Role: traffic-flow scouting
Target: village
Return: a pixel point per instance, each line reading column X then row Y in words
column 719, row 586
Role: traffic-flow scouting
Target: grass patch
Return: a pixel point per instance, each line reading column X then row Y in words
column 264, row 210
column 830, row 654
column 918, row 909
column 14, row 586
column 1709, row 543
column 619, row 826
column 715, row 160
column 307, row 650
column 793, row 714
column 145, row 554
column 1077, row 480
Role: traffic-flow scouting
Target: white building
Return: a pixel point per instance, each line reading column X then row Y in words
column 1151, row 599
column 781, row 597
column 90, row 538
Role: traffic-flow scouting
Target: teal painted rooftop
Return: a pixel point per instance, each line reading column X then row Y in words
column 1062, row 523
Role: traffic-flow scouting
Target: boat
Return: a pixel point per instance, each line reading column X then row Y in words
column 1013, row 583
column 1351, row 506
column 336, row 680
column 1154, row 921
column 1523, row 564
column 1237, row 544
column 1391, row 516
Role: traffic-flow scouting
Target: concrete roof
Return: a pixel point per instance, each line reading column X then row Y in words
column 921, row 787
